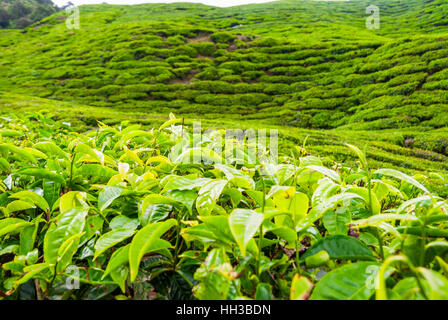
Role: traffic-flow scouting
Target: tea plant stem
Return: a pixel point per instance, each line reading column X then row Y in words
column 380, row 242
column 297, row 241
column 71, row 170
column 298, row 256
column 176, row 248
column 260, row 243
column 54, row 275
column 237, row 288
column 423, row 244
column 295, row 172
column 260, row 238
column 420, row 285
column 103, row 217
column 377, row 233
column 417, row 278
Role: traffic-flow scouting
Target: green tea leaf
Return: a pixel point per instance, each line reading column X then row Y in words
column 318, row 259
column 110, row 239
column 51, row 192
column 17, row 151
column 67, row 224
column 263, row 292
column 336, row 222
column 34, row 197
column 19, row 205
column 208, row 195
column 146, row 241
column 438, row 284
column 107, row 196
column 360, row 154
column 353, row 281
column 12, row 226
column 66, row 251
column 341, row 247
column 50, row 148
column 300, row 288
column 42, row 174
column 402, row 176
column 327, row 172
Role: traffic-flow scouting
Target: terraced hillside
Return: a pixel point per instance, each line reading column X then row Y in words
column 307, row 67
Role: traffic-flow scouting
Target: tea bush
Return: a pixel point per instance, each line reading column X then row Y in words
column 103, row 214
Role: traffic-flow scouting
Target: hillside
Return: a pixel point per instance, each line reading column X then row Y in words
column 22, row 13
column 302, row 64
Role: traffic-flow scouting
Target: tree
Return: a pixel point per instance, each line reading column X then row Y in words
column 41, row 12
column 4, row 18
column 18, row 10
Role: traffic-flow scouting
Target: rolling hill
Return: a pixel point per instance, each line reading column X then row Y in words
column 107, row 194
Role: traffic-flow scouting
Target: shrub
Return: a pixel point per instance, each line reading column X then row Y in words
column 213, row 86
column 127, row 96
column 181, row 58
column 125, row 78
column 109, row 90
column 204, row 48
column 252, row 75
column 143, row 52
column 251, row 99
column 215, row 99
column 175, row 40
column 122, row 55
column 213, row 73
column 59, row 73
column 276, row 88
column 231, row 78
column 403, row 90
column 438, row 65
column 436, row 85
column 140, row 88
column 266, row 42
column 94, row 82
column 186, row 50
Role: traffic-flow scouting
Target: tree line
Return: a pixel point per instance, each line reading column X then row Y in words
column 18, row 14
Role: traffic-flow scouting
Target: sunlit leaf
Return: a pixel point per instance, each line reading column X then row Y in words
column 146, row 240
column 244, row 224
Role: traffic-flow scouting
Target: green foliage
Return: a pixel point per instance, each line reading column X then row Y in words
column 85, row 186
column 391, row 78
column 222, row 37
column 216, row 228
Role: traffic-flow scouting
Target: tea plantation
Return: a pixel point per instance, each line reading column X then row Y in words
column 295, row 64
